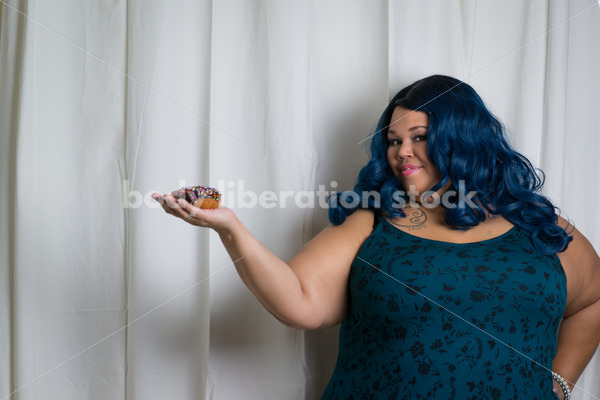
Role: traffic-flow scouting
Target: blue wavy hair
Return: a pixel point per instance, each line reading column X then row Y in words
column 468, row 144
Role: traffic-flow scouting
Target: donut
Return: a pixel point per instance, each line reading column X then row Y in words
column 200, row 196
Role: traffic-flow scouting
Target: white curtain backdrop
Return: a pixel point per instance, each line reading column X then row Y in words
column 102, row 102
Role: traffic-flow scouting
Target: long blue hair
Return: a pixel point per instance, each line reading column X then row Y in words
column 468, row 144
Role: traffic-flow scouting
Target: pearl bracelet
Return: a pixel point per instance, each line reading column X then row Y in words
column 562, row 382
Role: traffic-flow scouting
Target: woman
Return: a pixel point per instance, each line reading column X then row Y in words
column 453, row 281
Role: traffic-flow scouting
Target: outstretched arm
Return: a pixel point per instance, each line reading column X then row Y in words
column 307, row 292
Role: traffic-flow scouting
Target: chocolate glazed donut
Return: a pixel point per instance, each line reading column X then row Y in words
column 199, row 196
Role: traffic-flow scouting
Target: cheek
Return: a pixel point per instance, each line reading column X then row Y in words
column 422, row 153
column 391, row 155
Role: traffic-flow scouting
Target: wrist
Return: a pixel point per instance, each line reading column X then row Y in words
column 228, row 233
column 559, row 392
column 561, row 387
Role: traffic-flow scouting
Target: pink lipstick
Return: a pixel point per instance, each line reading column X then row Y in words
column 409, row 169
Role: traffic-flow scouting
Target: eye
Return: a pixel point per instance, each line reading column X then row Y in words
column 394, row 142
column 420, row 138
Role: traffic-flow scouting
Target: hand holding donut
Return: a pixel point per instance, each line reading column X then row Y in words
column 198, row 205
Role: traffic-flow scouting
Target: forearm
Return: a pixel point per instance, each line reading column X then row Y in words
column 578, row 340
column 268, row 277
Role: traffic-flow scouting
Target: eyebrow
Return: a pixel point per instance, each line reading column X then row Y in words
column 412, row 129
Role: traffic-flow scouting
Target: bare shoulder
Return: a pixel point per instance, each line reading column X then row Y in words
column 360, row 222
column 350, row 234
column 360, row 218
column 582, row 267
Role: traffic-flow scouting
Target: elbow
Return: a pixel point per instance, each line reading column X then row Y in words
column 300, row 324
column 310, row 315
column 308, row 321
column 301, row 327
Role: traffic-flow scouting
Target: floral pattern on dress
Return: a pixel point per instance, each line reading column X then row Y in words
column 437, row 320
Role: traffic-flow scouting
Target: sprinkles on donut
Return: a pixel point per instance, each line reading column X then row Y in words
column 200, row 196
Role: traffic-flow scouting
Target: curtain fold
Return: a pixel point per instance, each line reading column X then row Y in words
column 166, row 146
column 12, row 58
column 103, row 102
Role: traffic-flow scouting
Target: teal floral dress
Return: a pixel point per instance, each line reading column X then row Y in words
column 437, row 320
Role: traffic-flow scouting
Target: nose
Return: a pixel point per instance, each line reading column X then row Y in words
column 405, row 150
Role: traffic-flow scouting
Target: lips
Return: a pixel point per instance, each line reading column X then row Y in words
column 409, row 169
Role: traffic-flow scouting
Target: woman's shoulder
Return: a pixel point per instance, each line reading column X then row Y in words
column 362, row 220
column 579, row 249
column 353, row 231
column 363, row 214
